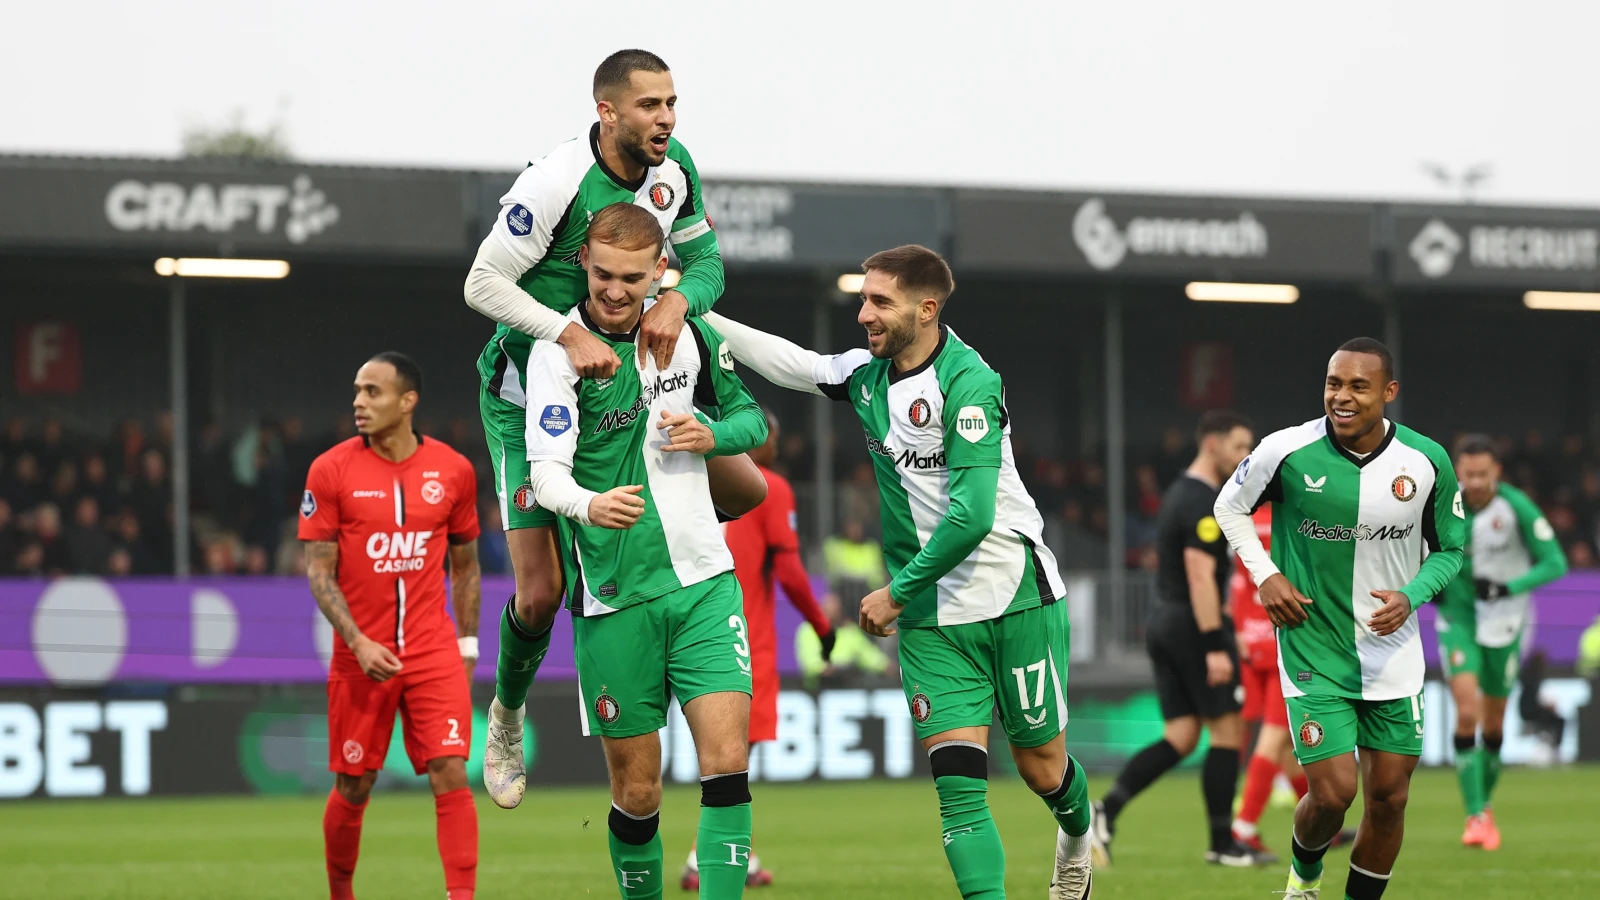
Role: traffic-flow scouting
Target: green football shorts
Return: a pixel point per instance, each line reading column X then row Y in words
column 690, row 642
column 1326, row 726
column 956, row 676
column 1461, row 654
column 504, row 425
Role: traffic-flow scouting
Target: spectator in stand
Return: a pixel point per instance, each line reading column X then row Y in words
column 1580, row 556
column 29, row 562
column 1081, row 549
column 125, row 451
column 794, row 459
column 1091, row 488
column 10, row 540
column 218, row 555
column 493, row 555
column 25, row 488
column 57, row 558
column 87, row 543
column 256, row 560
column 64, row 485
column 52, row 449
column 1587, row 502
column 120, row 563
column 853, row 649
column 150, row 497
column 854, row 565
column 14, row 442
column 1173, row 457
column 140, row 560
column 97, row 483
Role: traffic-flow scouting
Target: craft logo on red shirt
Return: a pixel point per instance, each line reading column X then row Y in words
column 398, row 551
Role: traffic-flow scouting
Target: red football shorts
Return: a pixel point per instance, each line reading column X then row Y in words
column 435, row 709
column 1263, row 695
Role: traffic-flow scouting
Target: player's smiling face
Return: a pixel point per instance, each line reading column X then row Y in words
column 1354, row 395
column 379, row 404
column 888, row 314
column 646, row 114
column 619, row 279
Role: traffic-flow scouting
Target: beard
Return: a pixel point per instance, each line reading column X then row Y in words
column 895, row 339
column 637, row 148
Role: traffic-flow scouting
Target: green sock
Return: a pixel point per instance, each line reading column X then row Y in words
column 971, row 841
column 1070, row 802
column 521, row 651
column 1306, row 863
column 1491, row 770
column 722, row 850
column 637, row 867
column 1469, row 772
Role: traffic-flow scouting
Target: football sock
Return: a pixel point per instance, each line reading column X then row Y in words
column 1364, row 885
column 457, row 828
column 1257, row 791
column 1491, row 765
column 971, row 841
column 1218, row 778
column 636, row 854
column 521, row 651
column 1069, row 803
column 722, row 845
column 1307, row 862
column 341, row 843
column 1469, row 772
column 1146, row 766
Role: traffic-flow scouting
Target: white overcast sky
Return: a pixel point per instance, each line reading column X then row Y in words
column 1244, row 96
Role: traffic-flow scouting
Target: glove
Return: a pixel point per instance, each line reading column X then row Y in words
column 1490, row 590
column 828, row 641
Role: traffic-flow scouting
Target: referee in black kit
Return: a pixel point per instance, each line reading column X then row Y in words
column 1191, row 646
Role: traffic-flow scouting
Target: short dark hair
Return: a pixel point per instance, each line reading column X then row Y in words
column 917, row 269
column 618, row 68
column 1475, row 444
column 1220, row 421
column 1374, row 347
column 408, row 375
column 627, row 226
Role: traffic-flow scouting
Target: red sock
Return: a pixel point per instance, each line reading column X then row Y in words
column 1301, row 784
column 341, row 843
column 1257, row 788
column 458, row 842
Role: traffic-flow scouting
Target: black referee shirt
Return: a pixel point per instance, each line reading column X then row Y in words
column 1186, row 520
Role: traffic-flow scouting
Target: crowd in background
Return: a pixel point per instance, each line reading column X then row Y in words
column 80, row 504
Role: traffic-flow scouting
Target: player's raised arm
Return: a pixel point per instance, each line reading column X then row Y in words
column 737, row 425
column 787, row 364
column 696, row 244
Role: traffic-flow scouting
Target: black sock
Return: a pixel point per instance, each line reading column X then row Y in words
column 1146, row 766
column 1308, row 862
column 1493, row 742
column 1465, row 742
column 1365, row 886
column 1218, row 779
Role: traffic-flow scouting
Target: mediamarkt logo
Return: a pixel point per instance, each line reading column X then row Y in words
column 1317, row 532
column 1104, row 245
column 163, row 206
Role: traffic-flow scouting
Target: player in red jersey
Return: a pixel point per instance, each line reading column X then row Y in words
column 766, row 547
column 379, row 515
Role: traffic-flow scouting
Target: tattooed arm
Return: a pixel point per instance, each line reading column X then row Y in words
column 322, row 571
column 466, row 592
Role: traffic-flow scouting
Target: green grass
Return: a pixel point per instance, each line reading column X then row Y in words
column 838, row 841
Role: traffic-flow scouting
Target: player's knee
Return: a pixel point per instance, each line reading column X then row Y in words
column 355, row 789
column 1183, row 735
column 1041, row 771
column 732, row 789
column 1388, row 801
column 1334, row 792
column 446, row 774
column 637, row 798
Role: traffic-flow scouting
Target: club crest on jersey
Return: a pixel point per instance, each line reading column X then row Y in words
column 353, row 752
column 1311, row 734
column 921, row 707
column 432, row 492
column 1404, row 488
column 555, row 421
column 523, row 499
column 519, row 220
column 920, row 412
column 308, row 504
column 607, row 708
column 661, row 195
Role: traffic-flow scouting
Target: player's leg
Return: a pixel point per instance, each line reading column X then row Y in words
column 709, row 671
column 1461, row 659
column 945, row 673
column 436, row 719
column 1030, row 692
column 360, row 723
column 1324, row 732
column 1218, row 706
column 1386, row 783
column 1267, row 760
column 622, row 692
column 1498, row 675
column 736, row 484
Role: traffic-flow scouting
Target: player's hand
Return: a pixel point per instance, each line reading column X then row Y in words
column 686, row 433
column 878, row 612
column 661, row 326
column 1396, row 609
column 591, row 357
column 617, row 508
column 1490, row 590
column 1219, row 668
column 375, row 659
column 1283, row 602
column 828, row 640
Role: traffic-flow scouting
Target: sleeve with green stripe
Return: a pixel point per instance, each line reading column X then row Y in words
column 1443, row 529
column 694, row 240
column 738, row 425
column 1549, row 563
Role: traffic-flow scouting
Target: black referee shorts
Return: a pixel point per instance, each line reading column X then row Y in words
column 1179, row 661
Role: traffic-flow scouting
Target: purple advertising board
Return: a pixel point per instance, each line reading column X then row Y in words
column 214, row 630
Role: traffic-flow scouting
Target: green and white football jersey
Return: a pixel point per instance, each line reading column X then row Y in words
column 544, row 220
column 1344, row 526
column 1507, row 541
column 607, row 430
column 946, row 414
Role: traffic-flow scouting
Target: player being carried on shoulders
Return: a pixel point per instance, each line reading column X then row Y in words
column 527, row 277
column 974, row 588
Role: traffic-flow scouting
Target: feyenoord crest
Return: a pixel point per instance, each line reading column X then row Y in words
column 1458, row 658
column 921, row 707
column 1311, row 734
column 432, row 492
column 1404, row 488
column 523, row 499
column 661, row 195
column 607, row 708
column 921, row 412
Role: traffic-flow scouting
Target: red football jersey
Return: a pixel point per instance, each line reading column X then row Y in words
column 393, row 522
column 1257, row 640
